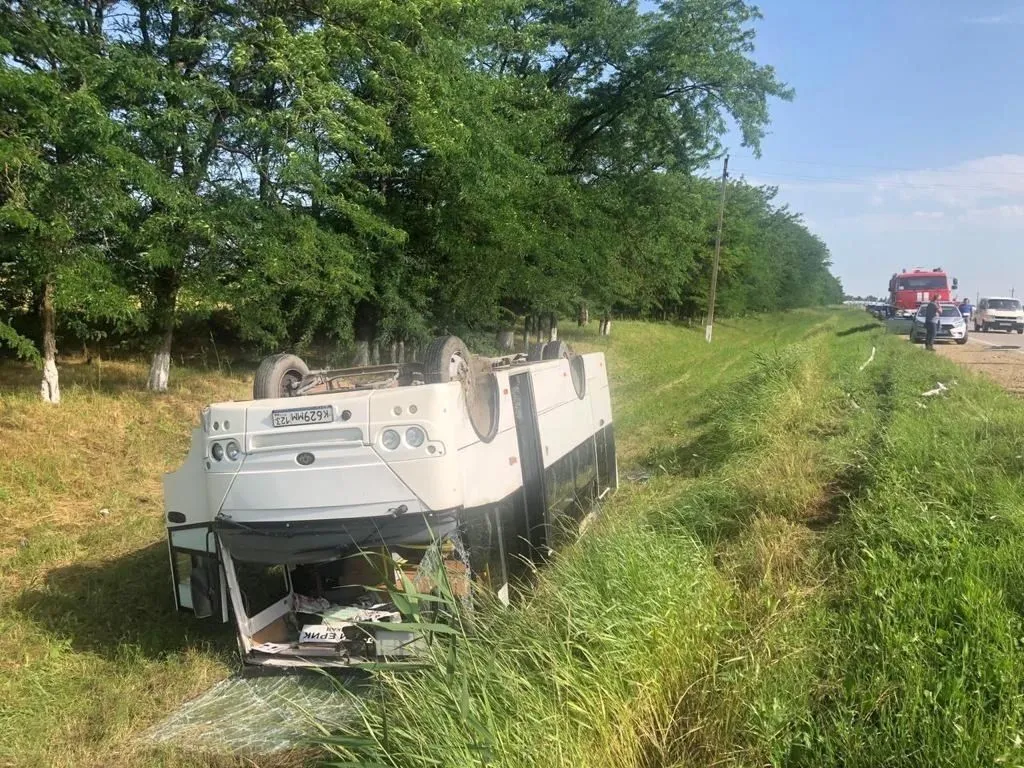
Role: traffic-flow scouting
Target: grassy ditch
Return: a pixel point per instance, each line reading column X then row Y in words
column 91, row 653
column 924, row 664
column 820, row 566
column 685, row 627
column 809, row 564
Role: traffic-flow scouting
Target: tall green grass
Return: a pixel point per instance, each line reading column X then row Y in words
column 925, row 664
column 821, row 568
column 678, row 630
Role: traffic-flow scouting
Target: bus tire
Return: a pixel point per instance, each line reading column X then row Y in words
column 447, row 359
column 278, row 375
column 536, row 353
column 556, row 349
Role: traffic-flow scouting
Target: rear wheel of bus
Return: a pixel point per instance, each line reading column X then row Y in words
column 447, row 358
column 278, row 376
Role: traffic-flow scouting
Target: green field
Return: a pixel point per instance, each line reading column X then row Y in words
column 808, row 564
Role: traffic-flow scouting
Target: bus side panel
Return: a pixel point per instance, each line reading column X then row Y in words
column 552, row 385
column 490, row 471
column 599, row 396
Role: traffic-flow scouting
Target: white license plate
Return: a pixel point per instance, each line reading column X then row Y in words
column 318, row 633
column 317, row 414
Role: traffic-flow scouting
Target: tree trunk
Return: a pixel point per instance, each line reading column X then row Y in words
column 606, row 325
column 506, row 341
column 160, row 367
column 362, row 356
column 49, row 388
column 583, row 317
column 401, row 352
column 552, row 327
column 366, row 332
column 375, row 353
column 166, row 299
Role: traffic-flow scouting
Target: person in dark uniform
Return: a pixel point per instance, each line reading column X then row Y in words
column 931, row 322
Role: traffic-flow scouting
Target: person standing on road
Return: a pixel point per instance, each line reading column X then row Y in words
column 931, row 322
column 966, row 310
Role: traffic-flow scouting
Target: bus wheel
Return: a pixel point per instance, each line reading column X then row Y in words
column 278, row 376
column 447, row 359
column 556, row 349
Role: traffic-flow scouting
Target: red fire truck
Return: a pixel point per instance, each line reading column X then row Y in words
column 909, row 289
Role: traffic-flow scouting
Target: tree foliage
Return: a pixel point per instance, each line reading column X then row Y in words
column 382, row 170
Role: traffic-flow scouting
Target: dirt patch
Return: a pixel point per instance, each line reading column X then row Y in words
column 1003, row 363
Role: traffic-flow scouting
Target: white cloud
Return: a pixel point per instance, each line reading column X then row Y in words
column 964, row 185
column 967, row 216
column 1015, row 16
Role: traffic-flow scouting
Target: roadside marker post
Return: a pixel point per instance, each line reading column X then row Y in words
column 718, row 250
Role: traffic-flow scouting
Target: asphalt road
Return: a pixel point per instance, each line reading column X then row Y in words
column 1000, row 356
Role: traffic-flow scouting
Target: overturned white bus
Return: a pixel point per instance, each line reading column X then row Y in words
column 481, row 465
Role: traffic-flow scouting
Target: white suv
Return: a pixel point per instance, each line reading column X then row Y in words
column 999, row 314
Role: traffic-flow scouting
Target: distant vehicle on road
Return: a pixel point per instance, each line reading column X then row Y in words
column 952, row 326
column 1000, row 314
column 878, row 310
column 908, row 290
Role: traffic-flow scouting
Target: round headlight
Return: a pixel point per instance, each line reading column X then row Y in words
column 414, row 437
column 217, row 451
column 390, row 439
column 232, row 451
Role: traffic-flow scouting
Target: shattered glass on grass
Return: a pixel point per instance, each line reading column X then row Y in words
column 261, row 714
column 264, row 713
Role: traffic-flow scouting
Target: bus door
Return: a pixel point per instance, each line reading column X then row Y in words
column 531, row 461
column 196, row 571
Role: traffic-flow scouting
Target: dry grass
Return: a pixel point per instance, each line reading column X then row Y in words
column 91, row 652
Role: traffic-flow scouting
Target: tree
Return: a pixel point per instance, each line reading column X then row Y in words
column 62, row 192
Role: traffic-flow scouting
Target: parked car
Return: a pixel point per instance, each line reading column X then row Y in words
column 952, row 326
column 1001, row 314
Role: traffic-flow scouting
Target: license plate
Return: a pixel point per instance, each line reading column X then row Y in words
column 318, row 633
column 317, row 414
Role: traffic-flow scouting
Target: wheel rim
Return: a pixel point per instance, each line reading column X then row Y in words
column 458, row 367
column 290, row 382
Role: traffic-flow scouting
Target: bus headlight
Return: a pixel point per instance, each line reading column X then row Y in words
column 414, row 436
column 217, row 451
column 390, row 439
column 232, row 451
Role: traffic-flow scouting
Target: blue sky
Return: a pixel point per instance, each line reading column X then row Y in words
column 904, row 145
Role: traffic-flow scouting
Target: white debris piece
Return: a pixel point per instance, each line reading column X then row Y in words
column 939, row 389
column 868, row 361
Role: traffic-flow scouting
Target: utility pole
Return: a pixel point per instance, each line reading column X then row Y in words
column 718, row 251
